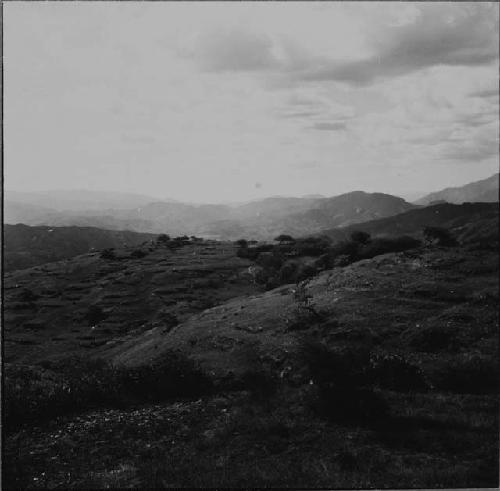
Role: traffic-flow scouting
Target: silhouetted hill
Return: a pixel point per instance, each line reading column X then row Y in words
column 485, row 190
column 26, row 246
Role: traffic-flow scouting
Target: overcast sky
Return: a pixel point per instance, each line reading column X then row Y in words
column 233, row 101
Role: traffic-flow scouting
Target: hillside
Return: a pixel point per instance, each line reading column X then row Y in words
column 468, row 222
column 26, row 246
column 485, row 190
column 381, row 371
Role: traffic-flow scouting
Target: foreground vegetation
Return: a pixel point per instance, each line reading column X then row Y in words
column 382, row 371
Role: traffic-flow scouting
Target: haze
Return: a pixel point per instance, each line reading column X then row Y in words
column 219, row 102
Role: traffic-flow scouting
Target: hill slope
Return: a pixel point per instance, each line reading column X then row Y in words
column 468, row 222
column 485, row 190
column 26, row 246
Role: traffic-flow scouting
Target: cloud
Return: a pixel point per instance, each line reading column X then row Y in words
column 329, row 126
column 441, row 35
column 485, row 93
column 234, row 51
column 475, row 151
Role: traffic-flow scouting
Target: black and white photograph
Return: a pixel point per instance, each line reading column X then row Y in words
column 250, row 245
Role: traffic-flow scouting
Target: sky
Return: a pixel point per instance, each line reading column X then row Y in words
column 216, row 102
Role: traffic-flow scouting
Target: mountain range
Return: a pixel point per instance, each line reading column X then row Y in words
column 260, row 220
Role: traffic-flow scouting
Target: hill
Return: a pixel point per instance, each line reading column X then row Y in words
column 381, row 371
column 469, row 222
column 26, row 246
column 260, row 220
column 485, row 190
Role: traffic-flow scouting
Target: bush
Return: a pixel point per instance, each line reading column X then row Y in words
column 163, row 239
column 94, row 315
column 439, row 236
column 108, row 254
column 361, row 237
column 284, row 238
column 242, row 243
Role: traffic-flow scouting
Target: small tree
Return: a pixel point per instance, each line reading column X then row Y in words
column 242, row 243
column 360, row 236
column 284, row 238
column 163, row 238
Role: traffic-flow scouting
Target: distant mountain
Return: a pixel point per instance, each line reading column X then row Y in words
column 261, row 220
column 78, row 200
column 485, row 190
column 26, row 246
column 468, row 222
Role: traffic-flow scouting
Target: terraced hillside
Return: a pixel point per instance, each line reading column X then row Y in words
column 383, row 371
column 88, row 302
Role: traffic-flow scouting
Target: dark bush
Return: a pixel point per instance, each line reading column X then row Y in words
column 360, row 236
column 138, row 254
column 242, row 243
column 439, row 236
column 284, row 238
column 343, row 380
column 163, row 238
column 94, row 315
column 108, row 254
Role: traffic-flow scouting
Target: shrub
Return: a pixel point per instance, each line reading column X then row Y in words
column 439, row 236
column 108, row 254
column 242, row 243
column 163, row 238
column 94, row 315
column 360, row 236
column 284, row 238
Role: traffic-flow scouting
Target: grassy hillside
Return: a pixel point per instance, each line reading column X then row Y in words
column 26, row 246
column 383, row 372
